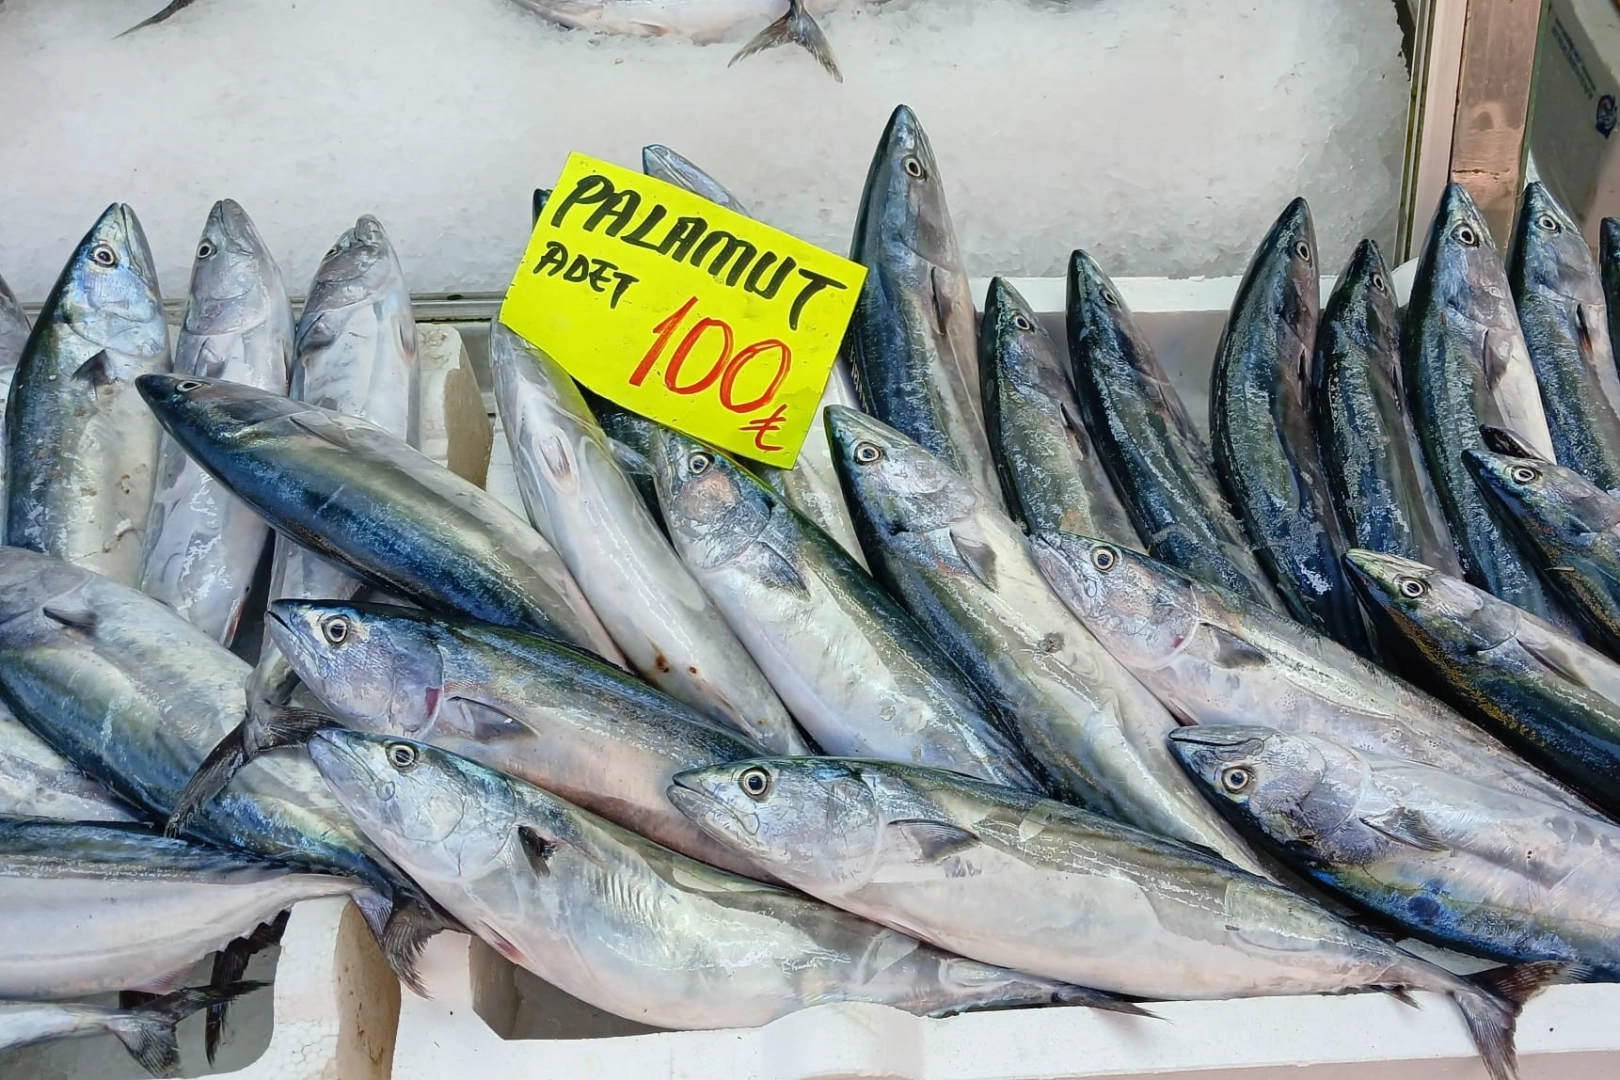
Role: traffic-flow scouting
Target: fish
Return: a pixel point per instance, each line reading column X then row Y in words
column 964, row 570
column 1263, row 436
column 36, row 781
column 912, row 342
column 356, row 495
column 134, row 695
column 1051, row 477
column 1458, row 863
column 146, row 1030
column 1570, row 528
column 1504, row 668
column 630, row 927
column 1160, row 464
column 95, row 907
column 1559, row 298
column 202, row 545
column 810, row 485
column 14, row 329
column 80, row 448
column 670, row 632
column 857, row 672
column 1609, row 274
column 517, row 702
column 1465, row 363
column 1010, row 878
column 1213, row 658
column 702, row 23
column 1376, row 477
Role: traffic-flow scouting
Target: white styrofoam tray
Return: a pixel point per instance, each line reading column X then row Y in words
column 489, row 1019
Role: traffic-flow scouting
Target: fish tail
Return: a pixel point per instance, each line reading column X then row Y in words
column 281, row 726
column 1099, row 999
column 230, row 964
column 412, row 920
column 794, row 28
column 147, row 1031
column 153, row 20
column 1491, row 1003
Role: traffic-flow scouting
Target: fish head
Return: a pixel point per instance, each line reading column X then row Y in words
column 1365, row 296
column 1460, row 267
column 903, row 207
column 1423, row 604
column 377, row 666
column 1098, row 315
column 1290, row 788
column 523, row 373
column 1015, row 348
column 713, row 507
column 892, row 483
column 815, row 821
column 1552, row 505
column 1142, row 611
column 193, row 408
column 235, row 283
column 108, row 292
column 1287, row 261
column 662, row 163
column 1549, row 252
column 435, row 813
column 356, row 268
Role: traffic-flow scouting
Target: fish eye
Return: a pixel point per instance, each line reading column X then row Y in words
column 104, row 255
column 699, row 463
column 1303, row 250
column 1547, row 223
column 1465, row 234
column 1021, row 322
column 335, row 629
column 401, row 755
column 866, row 452
column 1236, row 779
column 755, row 782
column 915, row 169
column 1523, row 474
column 1105, row 559
column 1412, row 588
column 1378, row 283
column 186, row 386
column 205, row 250
column 1109, row 298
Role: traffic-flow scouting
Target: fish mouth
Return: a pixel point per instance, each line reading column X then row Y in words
column 708, row 811
column 1213, row 736
column 344, row 768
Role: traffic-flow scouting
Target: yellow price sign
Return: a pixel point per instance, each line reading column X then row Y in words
column 682, row 310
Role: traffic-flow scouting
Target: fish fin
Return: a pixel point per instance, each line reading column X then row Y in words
column 980, row 558
column 1496, row 359
column 174, row 7
column 217, row 770
column 928, row 841
column 1491, row 1008
column 413, row 920
column 486, row 723
column 941, row 295
column 796, row 27
column 1547, row 653
column 147, row 1031
column 556, row 458
column 230, row 964
column 1406, row 826
column 779, row 571
column 629, row 458
column 82, row 619
column 1067, row 994
column 97, row 371
column 537, row 849
column 1501, row 440
column 1232, row 651
column 321, row 427
column 1402, row 995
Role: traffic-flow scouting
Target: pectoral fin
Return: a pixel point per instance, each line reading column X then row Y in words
column 1406, row 826
column 926, row 841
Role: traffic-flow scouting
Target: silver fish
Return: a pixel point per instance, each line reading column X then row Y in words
column 856, row 671
column 521, row 703
column 147, row 1030
column 1459, row 863
column 913, row 343
column 202, row 544
column 1010, row 878
column 811, row 485
column 963, row 568
column 579, row 499
column 80, row 445
column 36, row 781
column 1213, row 658
column 626, row 925
column 14, row 328
column 92, row 908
